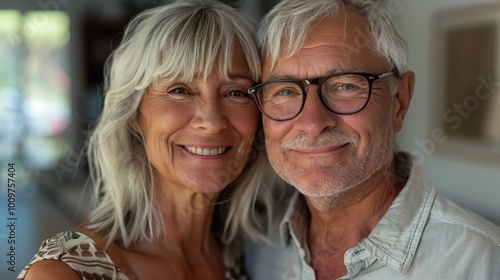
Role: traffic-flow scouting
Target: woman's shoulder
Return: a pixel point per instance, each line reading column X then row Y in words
column 49, row 269
column 71, row 251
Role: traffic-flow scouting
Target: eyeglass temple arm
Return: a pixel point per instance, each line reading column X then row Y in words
column 386, row 74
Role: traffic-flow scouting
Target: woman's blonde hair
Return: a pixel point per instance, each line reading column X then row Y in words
column 182, row 40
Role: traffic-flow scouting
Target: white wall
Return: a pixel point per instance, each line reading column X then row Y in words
column 468, row 179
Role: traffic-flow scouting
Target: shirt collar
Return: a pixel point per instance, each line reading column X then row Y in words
column 295, row 222
column 395, row 239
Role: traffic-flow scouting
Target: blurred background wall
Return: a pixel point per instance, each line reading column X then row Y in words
column 464, row 166
column 51, row 58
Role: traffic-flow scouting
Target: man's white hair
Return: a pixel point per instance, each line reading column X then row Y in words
column 288, row 24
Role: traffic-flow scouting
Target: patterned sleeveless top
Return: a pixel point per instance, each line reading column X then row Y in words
column 81, row 253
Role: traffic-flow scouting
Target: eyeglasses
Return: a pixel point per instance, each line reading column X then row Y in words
column 342, row 93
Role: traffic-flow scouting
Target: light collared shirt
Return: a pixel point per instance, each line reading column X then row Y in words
column 422, row 235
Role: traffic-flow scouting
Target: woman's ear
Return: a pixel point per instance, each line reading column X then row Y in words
column 135, row 125
column 402, row 99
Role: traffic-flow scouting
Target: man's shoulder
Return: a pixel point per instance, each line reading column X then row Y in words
column 456, row 220
column 447, row 217
column 457, row 243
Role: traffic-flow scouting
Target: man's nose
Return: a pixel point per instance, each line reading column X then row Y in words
column 314, row 117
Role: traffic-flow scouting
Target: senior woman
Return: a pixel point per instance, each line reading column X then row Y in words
column 176, row 131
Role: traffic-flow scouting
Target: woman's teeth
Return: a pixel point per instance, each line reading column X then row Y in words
column 205, row 151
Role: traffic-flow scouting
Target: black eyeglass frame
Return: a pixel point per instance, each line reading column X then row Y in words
column 302, row 83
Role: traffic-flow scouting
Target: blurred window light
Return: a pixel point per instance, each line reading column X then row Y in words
column 35, row 87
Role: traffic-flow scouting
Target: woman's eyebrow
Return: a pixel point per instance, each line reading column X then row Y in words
column 238, row 76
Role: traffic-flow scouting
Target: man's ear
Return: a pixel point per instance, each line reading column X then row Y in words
column 402, row 99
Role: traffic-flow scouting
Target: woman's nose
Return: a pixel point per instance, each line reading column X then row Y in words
column 209, row 116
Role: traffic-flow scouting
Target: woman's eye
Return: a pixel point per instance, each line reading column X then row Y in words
column 238, row 93
column 178, row 91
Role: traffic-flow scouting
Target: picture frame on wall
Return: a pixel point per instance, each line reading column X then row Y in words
column 465, row 80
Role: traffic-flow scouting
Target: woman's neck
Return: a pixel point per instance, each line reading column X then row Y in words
column 187, row 219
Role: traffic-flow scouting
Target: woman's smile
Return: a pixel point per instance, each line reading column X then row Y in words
column 206, row 151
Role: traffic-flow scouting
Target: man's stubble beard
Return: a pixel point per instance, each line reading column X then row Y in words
column 345, row 182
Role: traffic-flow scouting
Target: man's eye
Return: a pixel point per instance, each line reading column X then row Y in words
column 285, row 92
column 346, row 87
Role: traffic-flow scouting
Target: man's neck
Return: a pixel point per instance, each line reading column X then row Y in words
column 341, row 222
column 356, row 212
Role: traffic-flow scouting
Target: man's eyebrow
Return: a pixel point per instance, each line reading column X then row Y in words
column 336, row 71
column 276, row 77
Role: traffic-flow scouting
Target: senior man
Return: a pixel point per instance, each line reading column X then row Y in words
column 336, row 87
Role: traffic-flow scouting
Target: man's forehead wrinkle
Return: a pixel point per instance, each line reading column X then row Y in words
column 332, row 46
column 307, row 68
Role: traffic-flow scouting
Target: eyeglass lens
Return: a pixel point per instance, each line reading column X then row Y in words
column 342, row 94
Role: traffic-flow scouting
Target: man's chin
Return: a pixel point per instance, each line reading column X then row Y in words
column 316, row 188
